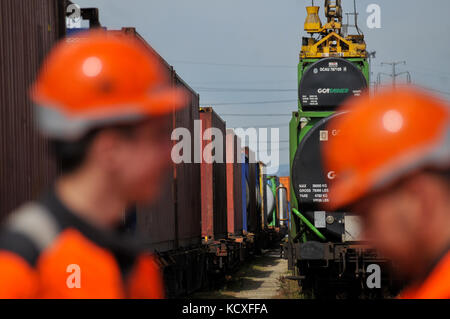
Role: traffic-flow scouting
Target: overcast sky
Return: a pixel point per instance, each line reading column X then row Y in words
column 230, row 51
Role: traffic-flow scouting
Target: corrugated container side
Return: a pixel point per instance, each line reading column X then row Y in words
column 28, row 29
column 156, row 221
column 220, row 183
column 174, row 220
column 188, row 192
column 214, row 179
column 234, row 184
column 206, row 173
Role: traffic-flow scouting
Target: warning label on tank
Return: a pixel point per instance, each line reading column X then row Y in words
column 317, row 193
column 310, row 99
column 323, row 136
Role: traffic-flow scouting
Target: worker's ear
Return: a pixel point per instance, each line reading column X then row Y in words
column 425, row 188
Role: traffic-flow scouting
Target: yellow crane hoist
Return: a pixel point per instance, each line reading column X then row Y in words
column 331, row 42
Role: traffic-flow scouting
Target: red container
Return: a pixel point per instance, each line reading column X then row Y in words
column 234, row 184
column 28, row 29
column 213, row 177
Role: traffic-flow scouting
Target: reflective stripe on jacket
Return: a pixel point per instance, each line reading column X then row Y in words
column 46, row 251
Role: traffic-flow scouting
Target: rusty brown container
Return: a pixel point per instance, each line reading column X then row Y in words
column 156, row 222
column 234, row 184
column 187, row 177
column 28, row 29
column 213, row 175
column 173, row 221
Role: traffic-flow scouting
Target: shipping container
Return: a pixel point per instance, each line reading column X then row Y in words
column 28, row 29
column 173, row 221
column 187, row 177
column 251, row 174
column 234, row 184
column 213, row 175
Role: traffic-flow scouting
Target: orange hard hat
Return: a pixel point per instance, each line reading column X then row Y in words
column 98, row 79
column 383, row 138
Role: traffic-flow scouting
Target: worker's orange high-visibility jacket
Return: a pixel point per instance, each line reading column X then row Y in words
column 435, row 286
column 46, row 251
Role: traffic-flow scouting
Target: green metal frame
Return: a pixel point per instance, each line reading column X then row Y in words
column 297, row 131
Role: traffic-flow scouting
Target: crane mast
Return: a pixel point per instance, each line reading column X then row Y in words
column 330, row 42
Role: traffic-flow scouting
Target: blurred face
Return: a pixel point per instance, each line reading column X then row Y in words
column 393, row 222
column 138, row 163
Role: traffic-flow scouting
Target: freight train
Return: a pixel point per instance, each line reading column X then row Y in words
column 209, row 217
column 325, row 249
column 211, row 214
column 197, row 239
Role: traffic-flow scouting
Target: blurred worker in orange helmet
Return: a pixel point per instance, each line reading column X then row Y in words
column 392, row 161
column 105, row 104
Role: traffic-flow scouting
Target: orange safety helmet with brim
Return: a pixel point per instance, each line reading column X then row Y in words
column 383, row 138
column 99, row 79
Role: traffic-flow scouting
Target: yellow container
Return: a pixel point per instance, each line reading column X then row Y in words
column 312, row 22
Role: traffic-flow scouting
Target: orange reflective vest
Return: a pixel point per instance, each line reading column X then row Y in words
column 435, row 286
column 46, row 251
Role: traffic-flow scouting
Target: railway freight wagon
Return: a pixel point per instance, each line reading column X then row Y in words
column 188, row 226
column 171, row 226
column 325, row 248
column 223, row 254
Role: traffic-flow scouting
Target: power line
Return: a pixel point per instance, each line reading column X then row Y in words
column 274, row 149
column 426, row 69
column 437, row 91
column 432, row 74
column 265, row 126
column 267, row 141
column 236, row 64
column 207, row 89
column 394, row 73
column 251, row 114
column 234, row 82
column 259, row 102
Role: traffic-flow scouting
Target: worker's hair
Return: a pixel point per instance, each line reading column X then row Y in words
column 69, row 156
column 446, row 177
column 443, row 174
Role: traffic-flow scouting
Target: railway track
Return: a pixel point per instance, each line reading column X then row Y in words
column 263, row 277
